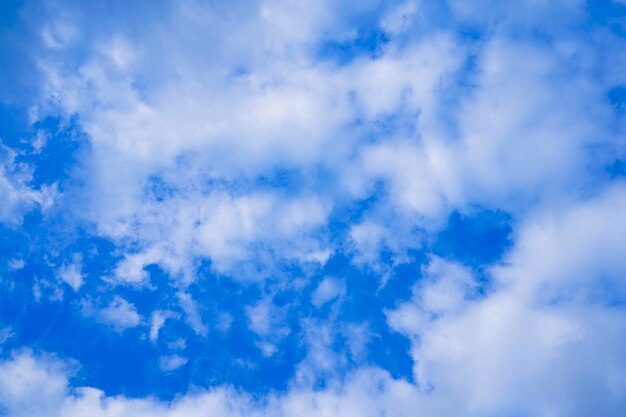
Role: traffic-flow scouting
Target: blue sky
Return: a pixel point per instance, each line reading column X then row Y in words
column 314, row 208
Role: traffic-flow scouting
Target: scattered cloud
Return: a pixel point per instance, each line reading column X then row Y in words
column 260, row 188
column 119, row 313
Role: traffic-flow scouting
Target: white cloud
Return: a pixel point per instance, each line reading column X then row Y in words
column 171, row 363
column 18, row 197
column 119, row 313
column 328, row 290
column 368, row 392
column 192, row 313
column 131, row 268
column 267, row 349
column 266, row 319
column 546, row 328
column 243, row 109
column 157, row 321
column 574, row 249
column 228, row 226
column 72, row 274
column 32, row 386
column 280, row 111
column 224, row 322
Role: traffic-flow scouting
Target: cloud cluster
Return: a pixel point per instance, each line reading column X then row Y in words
column 265, row 138
column 187, row 125
column 547, row 329
column 369, row 392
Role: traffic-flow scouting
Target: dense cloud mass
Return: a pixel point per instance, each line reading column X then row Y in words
column 313, row 208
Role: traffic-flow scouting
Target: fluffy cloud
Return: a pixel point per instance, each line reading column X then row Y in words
column 176, row 161
column 547, row 328
column 369, row 392
column 119, row 313
column 72, row 275
column 171, row 363
column 328, row 290
column 25, row 377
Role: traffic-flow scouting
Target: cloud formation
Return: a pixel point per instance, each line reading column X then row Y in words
column 277, row 208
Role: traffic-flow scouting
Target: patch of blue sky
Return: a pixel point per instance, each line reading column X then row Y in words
column 476, row 239
column 62, row 141
column 617, row 98
column 608, row 14
column 366, row 43
column 365, row 303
